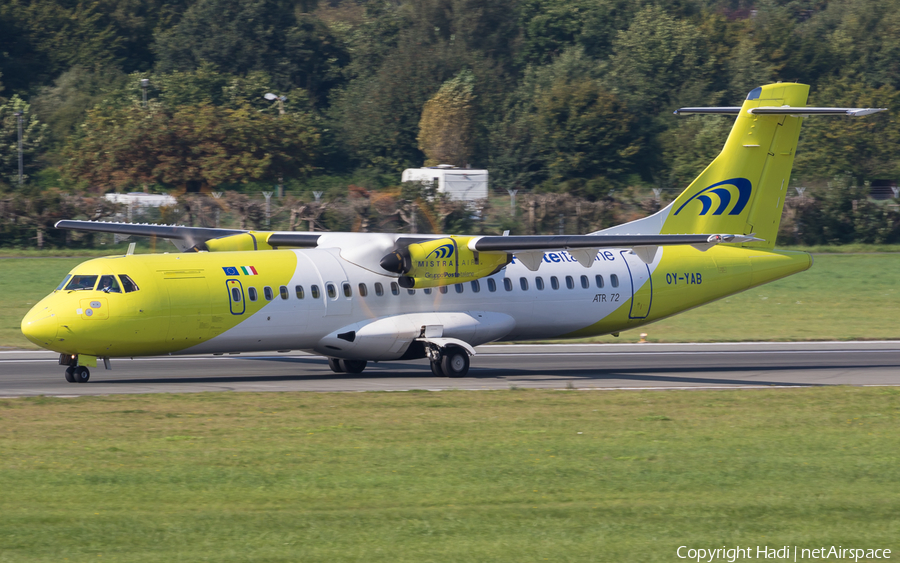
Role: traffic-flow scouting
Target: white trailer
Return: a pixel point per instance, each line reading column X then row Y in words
column 460, row 184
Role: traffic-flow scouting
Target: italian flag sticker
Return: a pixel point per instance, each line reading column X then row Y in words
column 249, row 271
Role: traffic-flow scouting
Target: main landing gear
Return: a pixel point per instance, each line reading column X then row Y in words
column 450, row 361
column 338, row 365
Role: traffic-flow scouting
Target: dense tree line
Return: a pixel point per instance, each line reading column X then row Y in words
column 569, row 97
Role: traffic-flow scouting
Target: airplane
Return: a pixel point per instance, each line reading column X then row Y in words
column 361, row 297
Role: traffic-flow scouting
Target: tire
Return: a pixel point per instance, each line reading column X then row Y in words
column 353, row 366
column 82, row 374
column 437, row 370
column 455, row 362
column 70, row 374
column 335, row 365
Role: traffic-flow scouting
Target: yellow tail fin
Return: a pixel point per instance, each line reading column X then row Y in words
column 742, row 191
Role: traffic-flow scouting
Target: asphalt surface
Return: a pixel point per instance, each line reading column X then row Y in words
column 589, row 366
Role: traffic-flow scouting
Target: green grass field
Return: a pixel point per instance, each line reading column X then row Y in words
column 446, row 477
column 842, row 297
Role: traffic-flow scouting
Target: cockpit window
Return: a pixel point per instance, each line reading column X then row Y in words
column 81, row 282
column 63, row 284
column 108, row 284
column 128, row 284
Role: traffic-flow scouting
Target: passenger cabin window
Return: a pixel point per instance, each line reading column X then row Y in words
column 476, row 287
column 539, row 283
column 554, row 282
column 268, row 293
column 128, row 284
column 443, row 289
column 523, row 283
column 285, row 294
column 427, row 291
column 599, row 279
column 63, row 284
column 251, row 291
column 614, row 280
column 235, row 295
column 348, row 291
column 492, row 285
column 585, row 282
column 331, row 290
column 108, row 284
column 570, row 282
column 298, row 290
column 379, row 289
column 395, row 289
column 314, row 291
column 459, row 287
column 507, row 284
column 411, row 291
column 363, row 290
column 81, row 282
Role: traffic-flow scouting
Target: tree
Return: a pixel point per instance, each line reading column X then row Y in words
column 33, row 140
column 565, row 131
column 446, row 127
column 189, row 147
column 865, row 148
column 240, row 36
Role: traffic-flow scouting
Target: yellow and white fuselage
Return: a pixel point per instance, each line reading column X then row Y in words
column 302, row 299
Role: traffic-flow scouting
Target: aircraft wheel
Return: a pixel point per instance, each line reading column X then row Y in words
column 70, row 374
column 335, row 365
column 455, row 362
column 353, row 366
column 437, row 370
column 81, row 374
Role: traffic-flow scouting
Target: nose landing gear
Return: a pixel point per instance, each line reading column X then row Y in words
column 74, row 372
column 79, row 374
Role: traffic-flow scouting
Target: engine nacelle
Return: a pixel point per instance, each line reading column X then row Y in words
column 253, row 240
column 443, row 261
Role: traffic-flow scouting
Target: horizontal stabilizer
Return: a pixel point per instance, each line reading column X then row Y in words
column 708, row 111
column 805, row 111
column 783, row 110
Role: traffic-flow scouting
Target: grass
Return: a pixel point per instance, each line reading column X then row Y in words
column 453, row 476
column 842, row 297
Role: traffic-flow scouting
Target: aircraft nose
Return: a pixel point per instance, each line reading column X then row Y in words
column 40, row 326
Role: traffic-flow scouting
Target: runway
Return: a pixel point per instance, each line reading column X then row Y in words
column 587, row 366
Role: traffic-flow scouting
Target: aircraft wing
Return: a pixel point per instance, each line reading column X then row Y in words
column 530, row 249
column 191, row 238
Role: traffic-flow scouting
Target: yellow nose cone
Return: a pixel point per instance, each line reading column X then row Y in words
column 40, row 326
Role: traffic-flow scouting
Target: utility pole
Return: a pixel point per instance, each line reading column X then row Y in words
column 18, row 115
column 216, row 196
column 512, row 201
column 268, row 196
column 280, row 99
column 145, row 83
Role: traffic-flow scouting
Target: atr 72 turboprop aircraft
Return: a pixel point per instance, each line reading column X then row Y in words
column 358, row 297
